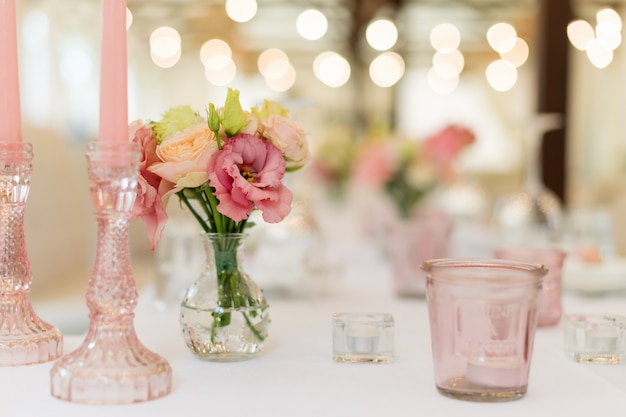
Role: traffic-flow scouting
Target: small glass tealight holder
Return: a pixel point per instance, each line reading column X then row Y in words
column 363, row 337
column 595, row 338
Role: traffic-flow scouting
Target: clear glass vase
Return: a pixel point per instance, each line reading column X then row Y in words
column 24, row 337
column 224, row 315
column 111, row 366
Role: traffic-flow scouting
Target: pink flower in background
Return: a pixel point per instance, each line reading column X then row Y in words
column 248, row 173
column 443, row 147
column 149, row 203
column 374, row 164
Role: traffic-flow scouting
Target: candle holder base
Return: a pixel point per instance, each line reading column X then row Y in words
column 111, row 367
column 460, row 389
column 25, row 339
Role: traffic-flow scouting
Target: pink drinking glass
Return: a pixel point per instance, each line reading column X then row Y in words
column 483, row 315
column 550, row 309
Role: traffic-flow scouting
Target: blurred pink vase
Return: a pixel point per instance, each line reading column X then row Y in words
column 550, row 309
column 425, row 235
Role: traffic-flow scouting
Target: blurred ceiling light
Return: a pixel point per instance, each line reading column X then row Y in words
column 276, row 70
column 441, row 85
column 609, row 34
column 502, row 37
column 445, row 37
column 269, row 56
column 518, row 55
column 580, row 33
column 241, row 10
column 129, row 18
column 609, row 16
column 311, row 24
column 215, row 54
column 381, row 34
column 501, row 75
column 332, row 69
column 448, row 64
column 165, row 42
column 386, row 69
column 165, row 62
column 599, row 55
column 283, row 83
column 223, row 76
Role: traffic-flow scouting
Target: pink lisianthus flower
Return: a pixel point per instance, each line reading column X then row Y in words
column 149, row 203
column 247, row 174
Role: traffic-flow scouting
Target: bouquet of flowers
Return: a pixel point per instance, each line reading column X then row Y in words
column 222, row 167
column 409, row 170
column 230, row 162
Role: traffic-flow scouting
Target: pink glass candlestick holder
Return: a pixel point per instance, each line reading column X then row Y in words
column 111, row 366
column 24, row 337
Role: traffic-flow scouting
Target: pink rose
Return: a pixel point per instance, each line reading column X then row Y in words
column 289, row 137
column 248, row 173
column 149, row 203
column 185, row 156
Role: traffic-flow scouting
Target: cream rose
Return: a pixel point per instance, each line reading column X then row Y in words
column 186, row 154
column 289, row 137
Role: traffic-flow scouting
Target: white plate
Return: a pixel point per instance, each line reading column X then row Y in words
column 595, row 279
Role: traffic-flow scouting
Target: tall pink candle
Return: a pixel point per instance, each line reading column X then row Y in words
column 113, row 75
column 10, row 115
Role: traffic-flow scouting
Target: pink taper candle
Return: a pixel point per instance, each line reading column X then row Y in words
column 113, row 75
column 10, row 115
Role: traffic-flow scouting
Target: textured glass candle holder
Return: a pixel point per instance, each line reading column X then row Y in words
column 483, row 316
column 363, row 337
column 111, row 366
column 24, row 337
column 595, row 338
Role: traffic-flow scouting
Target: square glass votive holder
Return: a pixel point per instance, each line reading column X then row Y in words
column 595, row 338
column 363, row 337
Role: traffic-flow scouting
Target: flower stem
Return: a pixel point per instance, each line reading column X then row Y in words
column 181, row 195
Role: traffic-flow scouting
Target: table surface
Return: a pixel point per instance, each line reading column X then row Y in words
column 295, row 375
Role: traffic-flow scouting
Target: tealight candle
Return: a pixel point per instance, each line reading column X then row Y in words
column 363, row 337
column 10, row 115
column 363, row 340
column 114, row 76
column 602, row 340
column 494, row 372
column 595, row 338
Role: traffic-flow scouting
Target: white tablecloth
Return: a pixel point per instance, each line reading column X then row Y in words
column 296, row 376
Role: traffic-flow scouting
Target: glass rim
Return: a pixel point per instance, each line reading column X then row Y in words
column 446, row 267
column 362, row 317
